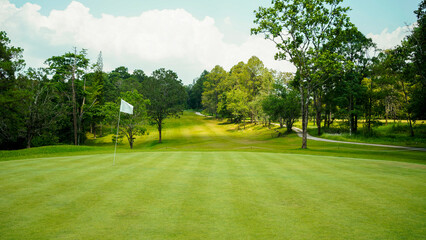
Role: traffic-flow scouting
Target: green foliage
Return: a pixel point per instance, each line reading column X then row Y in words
column 167, row 97
column 62, row 66
column 131, row 125
column 237, row 103
column 282, row 105
column 210, row 96
column 12, row 94
column 196, row 91
column 301, row 29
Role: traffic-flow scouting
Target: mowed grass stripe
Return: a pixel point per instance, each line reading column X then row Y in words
column 252, row 197
column 38, row 205
column 123, row 199
column 193, row 195
column 152, row 203
column 358, row 197
column 37, row 180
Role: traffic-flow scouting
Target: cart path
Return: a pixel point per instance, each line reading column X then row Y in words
column 299, row 133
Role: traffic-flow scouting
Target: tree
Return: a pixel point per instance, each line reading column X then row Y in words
column 132, row 124
column 282, row 105
column 210, row 97
column 196, row 92
column 66, row 68
column 167, row 97
column 415, row 66
column 42, row 110
column 95, row 82
column 237, row 104
column 12, row 93
column 300, row 29
column 258, row 82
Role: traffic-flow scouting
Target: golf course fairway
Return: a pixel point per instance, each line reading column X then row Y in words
column 173, row 191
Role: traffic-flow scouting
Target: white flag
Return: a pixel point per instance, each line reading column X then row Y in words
column 126, row 107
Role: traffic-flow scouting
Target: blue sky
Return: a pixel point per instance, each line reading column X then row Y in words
column 221, row 30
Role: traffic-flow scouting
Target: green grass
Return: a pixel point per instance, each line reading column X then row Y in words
column 211, row 195
column 397, row 133
column 195, row 133
column 210, row 181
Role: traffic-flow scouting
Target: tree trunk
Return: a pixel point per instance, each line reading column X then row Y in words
column 131, row 140
column 159, row 131
column 408, row 114
column 355, row 123
column 304, row 105
column 386, row 114
column 101, row 131
column 94, row 133
column 29, row 138
column 74, row 110
column 411, row 127
column 289, row 125
column 318, row 113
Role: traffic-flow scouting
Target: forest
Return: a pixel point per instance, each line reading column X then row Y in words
column 342, row 80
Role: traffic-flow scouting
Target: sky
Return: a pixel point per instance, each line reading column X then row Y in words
column 186, row 36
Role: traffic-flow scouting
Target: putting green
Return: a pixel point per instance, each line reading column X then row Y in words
column 211, row 195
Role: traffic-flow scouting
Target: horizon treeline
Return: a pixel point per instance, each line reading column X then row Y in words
column 338, row 83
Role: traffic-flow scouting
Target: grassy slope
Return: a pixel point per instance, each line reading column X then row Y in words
column 210, row 181
column 195, row 133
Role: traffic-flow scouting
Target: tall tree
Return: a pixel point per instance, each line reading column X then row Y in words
column 416, row 47
column 12, row 93
column 66, row 68
column 43, row 108
column 210, row 98
column 300, row 29
column 258, row 81
column 237, row 104
column 167, row 97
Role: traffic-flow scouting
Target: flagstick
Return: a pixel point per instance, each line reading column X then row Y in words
column 118, row 126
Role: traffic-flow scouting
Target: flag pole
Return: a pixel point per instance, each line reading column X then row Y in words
column 116, row 138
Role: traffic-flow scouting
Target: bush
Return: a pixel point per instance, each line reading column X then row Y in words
column 45, row 140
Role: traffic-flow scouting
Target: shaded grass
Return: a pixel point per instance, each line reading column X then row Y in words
column 397, row 133
column 49, row 151
column 211, row 195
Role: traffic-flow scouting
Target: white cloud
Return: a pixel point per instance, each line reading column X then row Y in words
column 388, row 40
column 173, row 39
column 227, row 20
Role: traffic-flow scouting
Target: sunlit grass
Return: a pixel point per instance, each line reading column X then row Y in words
column 211, row 195
column 209, row 180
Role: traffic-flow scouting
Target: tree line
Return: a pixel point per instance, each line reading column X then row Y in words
column 336, row 75
column 60, row 103
column 249, row 92
column 341, row 74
